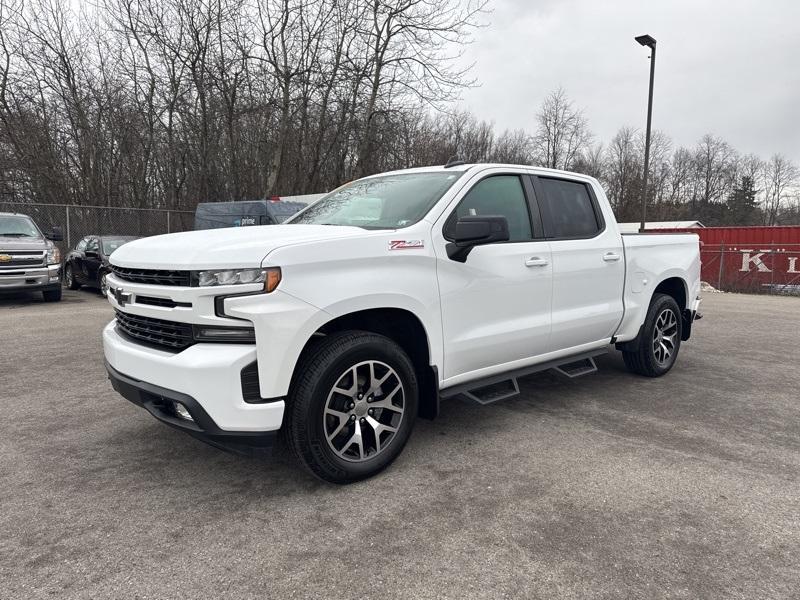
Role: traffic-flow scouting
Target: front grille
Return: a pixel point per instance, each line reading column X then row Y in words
column 165, row 302
column 154, row 276
column 157, row 332
column 23, row 259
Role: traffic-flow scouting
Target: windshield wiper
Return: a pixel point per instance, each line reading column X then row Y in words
column 16, row 234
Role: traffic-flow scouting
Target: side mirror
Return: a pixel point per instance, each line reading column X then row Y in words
column 55, row 234
column 92, row 254
column 477, row 230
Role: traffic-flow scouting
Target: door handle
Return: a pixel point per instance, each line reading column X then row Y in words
column 535, row 261
column 611, row 257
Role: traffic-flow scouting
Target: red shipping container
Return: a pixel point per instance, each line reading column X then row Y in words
column 749, row 259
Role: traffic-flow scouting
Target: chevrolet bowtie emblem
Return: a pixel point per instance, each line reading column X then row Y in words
column 121, row 297
column 5, row 258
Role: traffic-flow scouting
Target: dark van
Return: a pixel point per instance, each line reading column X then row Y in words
column 213, row 215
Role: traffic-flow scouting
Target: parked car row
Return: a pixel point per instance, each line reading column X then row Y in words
column 30, row 261
column 87, row 263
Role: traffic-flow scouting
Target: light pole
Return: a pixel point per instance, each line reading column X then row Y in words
column 650, row 42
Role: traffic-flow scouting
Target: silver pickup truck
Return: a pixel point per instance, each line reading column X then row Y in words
column 29, row 260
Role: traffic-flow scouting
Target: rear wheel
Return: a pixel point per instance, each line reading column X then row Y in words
column 660, row 339
column 69, row 278
column 352, row 407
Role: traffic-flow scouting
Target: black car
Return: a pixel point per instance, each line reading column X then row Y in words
column 87, row 264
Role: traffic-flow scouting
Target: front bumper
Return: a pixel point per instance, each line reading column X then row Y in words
column 209, row 374
column 159, row 402
column 33, row 279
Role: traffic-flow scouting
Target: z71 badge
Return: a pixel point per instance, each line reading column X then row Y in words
column 406, row 244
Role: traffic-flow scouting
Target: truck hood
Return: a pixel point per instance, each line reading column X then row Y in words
column 11, row 244
column 223, row 248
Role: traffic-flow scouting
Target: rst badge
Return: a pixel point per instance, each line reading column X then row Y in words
column 406, row 244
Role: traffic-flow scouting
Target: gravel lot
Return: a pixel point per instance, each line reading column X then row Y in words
column 608, row 486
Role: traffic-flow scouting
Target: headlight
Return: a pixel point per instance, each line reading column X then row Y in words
column 244, row 335
column 270, row 277
column 53, row 256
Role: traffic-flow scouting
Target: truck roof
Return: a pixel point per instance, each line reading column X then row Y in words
column 461, row 168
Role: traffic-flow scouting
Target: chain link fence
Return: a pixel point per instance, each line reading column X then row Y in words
column 752, row 268
column 77, row 221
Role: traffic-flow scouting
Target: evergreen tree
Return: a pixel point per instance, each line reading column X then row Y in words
column 742, row 204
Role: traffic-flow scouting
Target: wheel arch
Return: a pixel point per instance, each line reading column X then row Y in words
column 677, row 288
column 403, row 327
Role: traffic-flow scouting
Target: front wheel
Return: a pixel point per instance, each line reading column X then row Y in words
column 69, row 278
column 660, row 339
column 103, row 285
column 352, row 407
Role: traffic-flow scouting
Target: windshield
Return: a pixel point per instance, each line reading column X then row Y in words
column 18, row 226
column 111, row 244
column 384, row 202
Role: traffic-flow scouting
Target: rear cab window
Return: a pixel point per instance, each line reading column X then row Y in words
column 569, row 209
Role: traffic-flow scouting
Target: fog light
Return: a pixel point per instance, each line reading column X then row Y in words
column 181, row 412
column 244, row 335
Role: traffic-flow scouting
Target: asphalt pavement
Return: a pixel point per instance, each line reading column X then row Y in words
column 607, row 486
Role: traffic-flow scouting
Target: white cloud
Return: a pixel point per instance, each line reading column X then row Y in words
column 724, row 67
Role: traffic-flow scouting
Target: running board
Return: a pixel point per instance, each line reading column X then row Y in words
column 493, row 392
column 503, row 386
column 577, row 368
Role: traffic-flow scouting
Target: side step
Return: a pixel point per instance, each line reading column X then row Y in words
column 493, row 392
column 577, row 368
column 503, row 386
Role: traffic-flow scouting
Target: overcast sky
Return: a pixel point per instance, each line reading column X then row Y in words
column 727, row 67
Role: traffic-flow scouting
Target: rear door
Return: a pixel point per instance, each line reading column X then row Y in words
column 495, row 306
column 588, row 262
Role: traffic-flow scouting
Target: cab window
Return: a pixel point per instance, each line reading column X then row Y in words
column 570, row 207
column 498, row 195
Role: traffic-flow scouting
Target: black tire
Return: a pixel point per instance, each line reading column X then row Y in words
column 306, row 418
column 52, row 295
column 102, row 284
column 645, row 360
column 69, row 278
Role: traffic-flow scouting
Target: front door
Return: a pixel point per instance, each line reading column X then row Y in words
column 495, row 305
column 91, row 261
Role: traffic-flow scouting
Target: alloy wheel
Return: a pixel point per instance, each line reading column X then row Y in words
column 68, row 276
column 363, row 411
column 103, row 285
column 665, row 336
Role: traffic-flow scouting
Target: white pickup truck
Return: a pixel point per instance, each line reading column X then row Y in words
column 343, row 325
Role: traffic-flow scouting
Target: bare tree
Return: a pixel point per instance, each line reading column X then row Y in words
column 562, row 131
column 623, row 170
column 405, row 57
column 780, row 175
column 164, row 103
column 715, row 168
